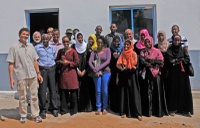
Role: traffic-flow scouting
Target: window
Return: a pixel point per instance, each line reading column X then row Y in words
column 135, row 18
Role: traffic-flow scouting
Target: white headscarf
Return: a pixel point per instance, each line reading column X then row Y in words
column 80, row 47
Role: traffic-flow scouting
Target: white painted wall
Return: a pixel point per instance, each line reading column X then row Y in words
column 86, row 14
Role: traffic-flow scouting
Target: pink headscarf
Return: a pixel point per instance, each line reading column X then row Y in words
column 140, row 44
column 152, row 53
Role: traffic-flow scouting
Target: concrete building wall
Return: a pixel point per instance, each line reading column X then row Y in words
column 86, row 14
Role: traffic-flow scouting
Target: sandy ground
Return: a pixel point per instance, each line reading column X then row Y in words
column 10, row 119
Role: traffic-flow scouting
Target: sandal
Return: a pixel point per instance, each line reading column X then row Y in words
column 98, row 112
column 104, row 112
column 123, row 116
column 139, row 118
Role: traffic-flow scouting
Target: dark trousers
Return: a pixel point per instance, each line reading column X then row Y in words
column 69, row 102
column 48, row 81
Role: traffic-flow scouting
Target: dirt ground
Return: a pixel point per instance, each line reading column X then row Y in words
column 10, row 119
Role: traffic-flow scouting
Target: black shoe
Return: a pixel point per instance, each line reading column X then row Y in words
column 187, row 114
column 43, row 115
column 55, row 113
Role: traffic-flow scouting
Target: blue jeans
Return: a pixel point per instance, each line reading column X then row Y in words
column 101, row 90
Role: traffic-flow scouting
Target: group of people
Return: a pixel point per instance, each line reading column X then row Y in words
column 132, row 78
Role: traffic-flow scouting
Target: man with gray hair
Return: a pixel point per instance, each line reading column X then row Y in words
column 130, row 35
column 46, row 61
column 36, row 38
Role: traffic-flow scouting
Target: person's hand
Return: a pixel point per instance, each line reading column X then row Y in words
column 95, row 71
column 83, row 73
column 12, row 83
column 80, row 74
column 40, row 78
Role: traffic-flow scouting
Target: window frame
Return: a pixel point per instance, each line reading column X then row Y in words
column 134, row 7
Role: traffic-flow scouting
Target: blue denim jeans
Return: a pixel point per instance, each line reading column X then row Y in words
column 101, row 91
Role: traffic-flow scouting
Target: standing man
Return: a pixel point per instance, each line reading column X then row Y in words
column 130, row 35
column 56, row 40
column 98, row 31
column 109, row 37
column 69, row 33
column 22, row 58
column 46, row 61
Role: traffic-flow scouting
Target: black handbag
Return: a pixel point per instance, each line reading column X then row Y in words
column 190, row 69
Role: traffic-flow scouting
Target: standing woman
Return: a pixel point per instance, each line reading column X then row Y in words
column 163, row 45
column 91, row 46
column 138, row 47
column 130, row 101
column 101, row 81
column 116, row 48
column 178, row 90
column 84, row 101
column 154, row 95
column 68, row 81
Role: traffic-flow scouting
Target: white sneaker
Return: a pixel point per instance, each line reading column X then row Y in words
column 37, row 119
column 22, row 120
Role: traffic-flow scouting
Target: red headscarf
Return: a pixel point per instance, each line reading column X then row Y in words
column 128, row 57
column 152, row 53
column 140, row 44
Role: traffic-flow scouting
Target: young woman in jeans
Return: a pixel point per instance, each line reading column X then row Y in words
column 101, row 81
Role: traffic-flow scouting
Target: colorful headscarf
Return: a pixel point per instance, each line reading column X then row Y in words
column 152, row 53
column 117, row 49
column 128, row 57
column 163, row 45
column 94, row 46
column 80, row 47
column 140, row 44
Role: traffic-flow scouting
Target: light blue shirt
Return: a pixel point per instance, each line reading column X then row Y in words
column 47, row 55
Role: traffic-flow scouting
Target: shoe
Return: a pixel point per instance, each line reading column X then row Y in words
column 43, row 115
column 98, row 112
column 37, row 119
column 22, row 120
column 55, row 113
column 104, row 112
column 187, row 114
column 139, row 118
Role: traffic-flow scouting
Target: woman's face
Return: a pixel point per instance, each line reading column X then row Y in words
column 66, row 42
column 91, row 40
column 80, row 39
column 148, row 43
column 161, row 37
column 116, row 42
column 127, row 45
column 177, row 40
column 100, row 43
column 142, row 36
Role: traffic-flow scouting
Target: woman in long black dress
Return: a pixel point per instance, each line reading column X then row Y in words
column 178, row 90
column 130, row 102
column 138, row 47
column 84, row 99
column 116, row 48
column 154, row 94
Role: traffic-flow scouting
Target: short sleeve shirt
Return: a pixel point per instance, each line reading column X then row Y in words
column 23, row 58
